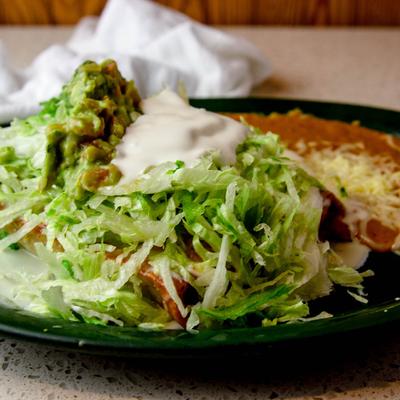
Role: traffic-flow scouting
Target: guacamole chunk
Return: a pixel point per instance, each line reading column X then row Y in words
column 85, row 123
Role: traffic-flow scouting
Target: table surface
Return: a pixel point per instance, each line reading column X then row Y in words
column 347, row 65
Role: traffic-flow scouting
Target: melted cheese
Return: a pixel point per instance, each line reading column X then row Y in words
column 368, row 185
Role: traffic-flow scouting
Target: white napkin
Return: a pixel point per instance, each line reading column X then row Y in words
column 153, row 45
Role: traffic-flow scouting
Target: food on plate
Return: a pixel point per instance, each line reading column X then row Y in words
column 152, row 213
column 359, row 165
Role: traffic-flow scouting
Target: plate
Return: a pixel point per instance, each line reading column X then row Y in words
column 351, row 318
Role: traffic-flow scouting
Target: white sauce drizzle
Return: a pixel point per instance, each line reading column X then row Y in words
column 357, row 217
column 354, row 254
column 171, row 130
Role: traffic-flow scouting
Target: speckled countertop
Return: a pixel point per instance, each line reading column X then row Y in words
column 37, row 372
column 359, row 66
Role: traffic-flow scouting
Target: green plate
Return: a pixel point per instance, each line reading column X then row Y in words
column 351, row 319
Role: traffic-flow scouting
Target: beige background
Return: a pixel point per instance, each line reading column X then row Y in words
column 359, row 65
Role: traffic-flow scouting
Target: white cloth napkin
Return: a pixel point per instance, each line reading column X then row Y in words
column 155, row 46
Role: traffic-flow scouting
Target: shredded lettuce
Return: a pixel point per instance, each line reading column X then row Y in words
column 243, row 236
column 250, row 304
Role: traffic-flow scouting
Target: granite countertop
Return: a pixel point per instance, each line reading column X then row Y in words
column 347, row 65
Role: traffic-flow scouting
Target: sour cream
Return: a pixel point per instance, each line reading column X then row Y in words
column 354, row 254
column 171, row 130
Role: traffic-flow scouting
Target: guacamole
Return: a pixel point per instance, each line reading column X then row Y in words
column 84, row 124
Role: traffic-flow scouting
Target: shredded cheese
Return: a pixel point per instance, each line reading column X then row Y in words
column 350, row 172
